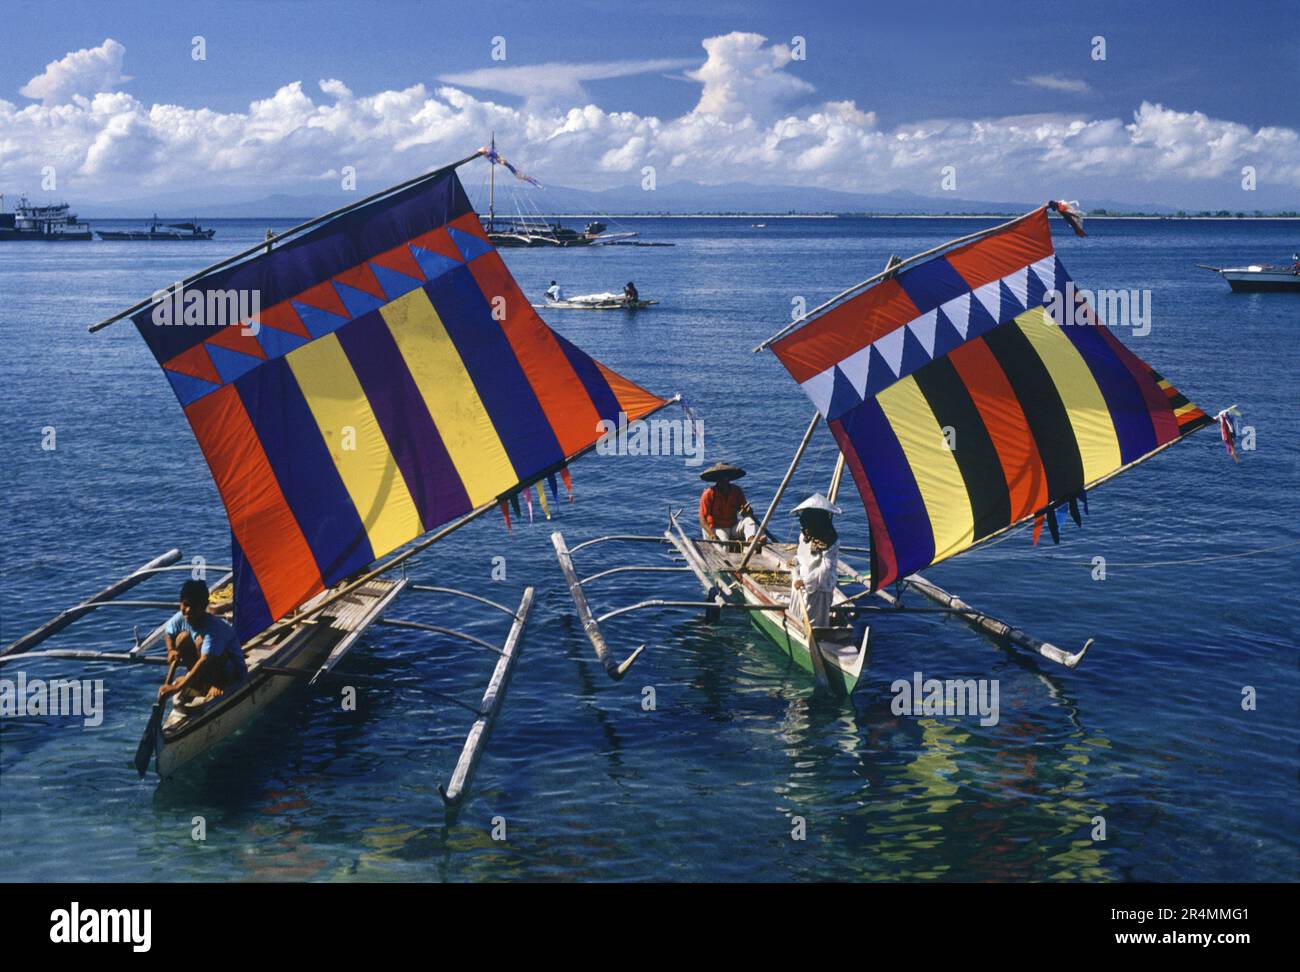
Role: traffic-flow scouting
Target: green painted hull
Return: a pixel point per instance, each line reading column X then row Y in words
column 794, row 646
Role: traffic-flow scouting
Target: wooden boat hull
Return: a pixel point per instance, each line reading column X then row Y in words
column 273, row 669
column 605, row 305
column 119, row 237
column 788, row 637
column 843, row 657
column 1260, row 283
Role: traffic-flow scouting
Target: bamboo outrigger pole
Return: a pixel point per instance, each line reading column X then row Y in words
column 780, row 490
column 107, row 595
column 270, row 241
column 833, row 491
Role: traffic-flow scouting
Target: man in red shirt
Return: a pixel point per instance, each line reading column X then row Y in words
column 725, row 514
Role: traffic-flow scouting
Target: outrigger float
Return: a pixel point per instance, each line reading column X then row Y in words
column 305, row 650
column 377, row 404
column 962, row 411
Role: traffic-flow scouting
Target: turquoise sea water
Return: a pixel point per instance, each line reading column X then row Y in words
column 1149, row 733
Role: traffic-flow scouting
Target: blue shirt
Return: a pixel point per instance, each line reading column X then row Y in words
column 219, row 640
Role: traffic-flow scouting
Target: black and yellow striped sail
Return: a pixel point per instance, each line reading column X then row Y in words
column 962, row 407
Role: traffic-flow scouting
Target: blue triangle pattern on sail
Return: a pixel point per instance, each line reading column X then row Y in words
column 1011, row 307
column 318, row 322
column 981, row 318
column 434, row 264
column 879, row 374
column 187, row 387
column 946, row 337
column 932, row 283
column 914, row 354
column 277, row 343
column 470, row 246
column 394, row 283
column 843, row 396
column 357, row 302
column 231, row 364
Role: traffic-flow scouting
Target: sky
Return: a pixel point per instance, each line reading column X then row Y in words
column 1183, row 104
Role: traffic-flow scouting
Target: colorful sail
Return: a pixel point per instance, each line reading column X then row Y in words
column 963, row 408
column 394, row 379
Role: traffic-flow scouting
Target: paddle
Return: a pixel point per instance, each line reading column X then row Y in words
column 814, row 649
column 149, row 740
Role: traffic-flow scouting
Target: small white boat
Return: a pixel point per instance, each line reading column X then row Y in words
column 1260, row 276
column 605, row 301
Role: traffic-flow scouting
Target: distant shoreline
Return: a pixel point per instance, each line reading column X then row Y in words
column 774, row 216
column 1002, row 215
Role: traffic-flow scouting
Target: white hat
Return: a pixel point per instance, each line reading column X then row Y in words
column 817, row 502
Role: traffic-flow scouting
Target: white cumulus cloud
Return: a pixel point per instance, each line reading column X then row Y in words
column 755, row 122
column 85, row 72
column 743, row 77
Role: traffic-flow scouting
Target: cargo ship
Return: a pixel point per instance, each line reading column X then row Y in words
column 42, row 224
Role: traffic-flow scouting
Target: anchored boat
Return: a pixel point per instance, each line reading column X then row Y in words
column 528, row 228
column 962, row 410
column 160, row 231
column 1261, row 276
column 381, row 400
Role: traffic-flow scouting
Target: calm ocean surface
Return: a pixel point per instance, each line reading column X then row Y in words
column 1149, row 733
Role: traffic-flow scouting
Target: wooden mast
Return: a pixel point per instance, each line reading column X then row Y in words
column 492, row 186
column 780, row 491
column 833, row 490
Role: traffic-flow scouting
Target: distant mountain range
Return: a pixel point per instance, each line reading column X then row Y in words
column 677, row 198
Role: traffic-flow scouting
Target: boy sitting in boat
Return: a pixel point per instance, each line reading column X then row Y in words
column 554, row 294
column 725, row 514
column 630, row 294
column 205, row 644
column 814, row 570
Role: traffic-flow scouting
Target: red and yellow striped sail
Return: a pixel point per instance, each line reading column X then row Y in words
column 397, row 379
column 963, row 408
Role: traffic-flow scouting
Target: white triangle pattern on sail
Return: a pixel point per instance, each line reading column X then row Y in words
column 891, row 349
column 856, row 367
column 957, row 310
column 1045, row 271
column 819, row 388
column 1018, row 284
column 990, row 295
column 923, row 330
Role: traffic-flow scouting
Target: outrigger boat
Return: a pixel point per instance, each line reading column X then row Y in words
column 396, row 386
column 531, row 229
column 603, row 301
column 962, row 410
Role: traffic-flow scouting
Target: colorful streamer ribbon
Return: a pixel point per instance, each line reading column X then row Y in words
column 1228, row 430
column 496, row 158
